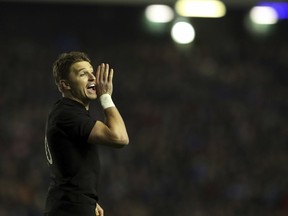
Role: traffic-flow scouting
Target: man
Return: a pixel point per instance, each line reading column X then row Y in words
column 72, row 136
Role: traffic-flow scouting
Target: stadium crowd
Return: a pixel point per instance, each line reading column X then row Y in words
column 207, row 124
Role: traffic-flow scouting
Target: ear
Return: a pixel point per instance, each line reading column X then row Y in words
column 65, row 85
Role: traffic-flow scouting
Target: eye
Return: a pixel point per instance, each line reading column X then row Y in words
column 83, row 73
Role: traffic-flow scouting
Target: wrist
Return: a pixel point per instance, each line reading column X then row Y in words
column 106, row 101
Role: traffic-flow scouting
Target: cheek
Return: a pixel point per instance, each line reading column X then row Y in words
column 77, row 88
column 78, row 85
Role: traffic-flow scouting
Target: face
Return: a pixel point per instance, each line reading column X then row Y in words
column 81, row 81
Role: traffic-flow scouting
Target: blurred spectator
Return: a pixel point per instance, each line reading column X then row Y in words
column 207, row 125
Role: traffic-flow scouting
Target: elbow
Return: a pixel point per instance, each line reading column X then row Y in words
column 126, row 141
column 123, row 141
column 119, row 141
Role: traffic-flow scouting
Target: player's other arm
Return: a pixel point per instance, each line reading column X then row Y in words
column 113, row 131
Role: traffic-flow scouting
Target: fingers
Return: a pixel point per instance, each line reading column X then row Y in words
column 98, row 74
column 106, row 73
column 103, row 74
column 104, row 78
column 110, row 78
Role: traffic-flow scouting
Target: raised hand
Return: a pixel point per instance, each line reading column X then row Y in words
column 104, row 78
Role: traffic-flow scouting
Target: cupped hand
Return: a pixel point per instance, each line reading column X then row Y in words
column 104, row 78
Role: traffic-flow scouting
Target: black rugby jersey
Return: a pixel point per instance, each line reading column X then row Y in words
column 73, row 162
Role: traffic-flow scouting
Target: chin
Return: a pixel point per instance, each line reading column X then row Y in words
column 93, row 97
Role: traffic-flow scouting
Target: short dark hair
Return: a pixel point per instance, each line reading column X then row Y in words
column 61, row 67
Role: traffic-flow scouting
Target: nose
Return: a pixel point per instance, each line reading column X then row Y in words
column 91, row 76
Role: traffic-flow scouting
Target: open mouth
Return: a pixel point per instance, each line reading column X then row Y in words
column 91, row 88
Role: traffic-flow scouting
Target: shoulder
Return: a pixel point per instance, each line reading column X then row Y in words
column 66, row 106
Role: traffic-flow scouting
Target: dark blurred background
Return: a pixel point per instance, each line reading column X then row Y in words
column 207, row 122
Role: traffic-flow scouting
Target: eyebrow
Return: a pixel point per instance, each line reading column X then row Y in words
column 81, row 69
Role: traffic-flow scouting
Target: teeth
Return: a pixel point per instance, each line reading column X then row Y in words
column 91, row 86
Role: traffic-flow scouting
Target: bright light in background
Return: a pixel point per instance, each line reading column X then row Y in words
column 183, row 32
column 157, row 18
column 263, row 15
column 159, row 13
column 281, row 8
column 200, row 8
column 260, row 21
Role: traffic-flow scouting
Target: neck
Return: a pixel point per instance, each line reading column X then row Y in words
column 86, row 105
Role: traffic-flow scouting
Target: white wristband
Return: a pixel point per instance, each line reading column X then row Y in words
column 106, row 101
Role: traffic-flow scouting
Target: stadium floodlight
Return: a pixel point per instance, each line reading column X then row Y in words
column 200, row 8
column 281, row 8
column 159, row 13
column 183, row 32
column 263, row 15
